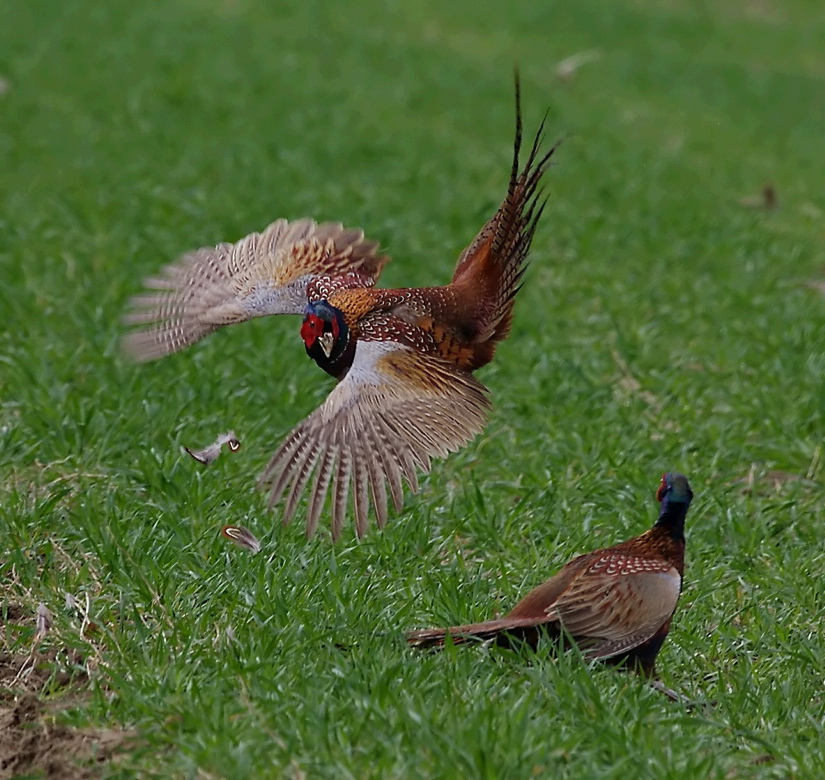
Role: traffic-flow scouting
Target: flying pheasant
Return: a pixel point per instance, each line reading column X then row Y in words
column 404, row 358
column 616, row 604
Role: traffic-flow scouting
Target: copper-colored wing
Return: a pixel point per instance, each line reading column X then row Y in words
column 617, row 603
column 264, row 273
column 536, row 603
column 494, row 263
column 394, row 411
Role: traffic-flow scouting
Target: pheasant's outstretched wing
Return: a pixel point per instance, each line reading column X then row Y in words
column 493, row 264
column 264, row 273
column 619, row 602
column 394, row 411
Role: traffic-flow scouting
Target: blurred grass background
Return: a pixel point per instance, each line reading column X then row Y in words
column 663, row 325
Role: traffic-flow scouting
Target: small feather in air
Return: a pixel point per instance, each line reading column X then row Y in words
column 242, row 537
column 566, row 69
column 208, row 454
column 44, row 620
column 766, row 200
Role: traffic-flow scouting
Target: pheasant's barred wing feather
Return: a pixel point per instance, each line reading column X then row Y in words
column 618, row 603
column 394, row 411
column 263, row 273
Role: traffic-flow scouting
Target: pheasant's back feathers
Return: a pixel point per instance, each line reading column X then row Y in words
column 354, row 303
column 618, row 564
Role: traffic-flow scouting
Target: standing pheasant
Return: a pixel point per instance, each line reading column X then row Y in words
column 616, row 604
column 404, row 358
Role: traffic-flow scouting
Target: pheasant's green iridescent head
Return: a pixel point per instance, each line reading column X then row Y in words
column 674, row 489
column 325, row 333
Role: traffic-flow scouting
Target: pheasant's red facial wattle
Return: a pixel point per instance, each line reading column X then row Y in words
column 660, row 493
column 311, row 329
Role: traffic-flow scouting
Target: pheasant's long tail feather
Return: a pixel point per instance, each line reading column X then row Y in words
column 503, row 629
column 494, row 263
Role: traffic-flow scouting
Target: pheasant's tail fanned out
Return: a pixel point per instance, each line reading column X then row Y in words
column 493, row 264
column 263, row 273
column 394, row 411
column 503, row 629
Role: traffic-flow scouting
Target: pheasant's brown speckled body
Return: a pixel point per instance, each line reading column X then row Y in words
column 616, row 604
column 403, row 357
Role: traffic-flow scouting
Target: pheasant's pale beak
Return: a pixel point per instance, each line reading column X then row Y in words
column 326, row 340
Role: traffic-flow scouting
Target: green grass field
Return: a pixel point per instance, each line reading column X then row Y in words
column 663, row 325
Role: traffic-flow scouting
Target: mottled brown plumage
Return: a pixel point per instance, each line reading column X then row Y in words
column 616, row 604
column 403, row 357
